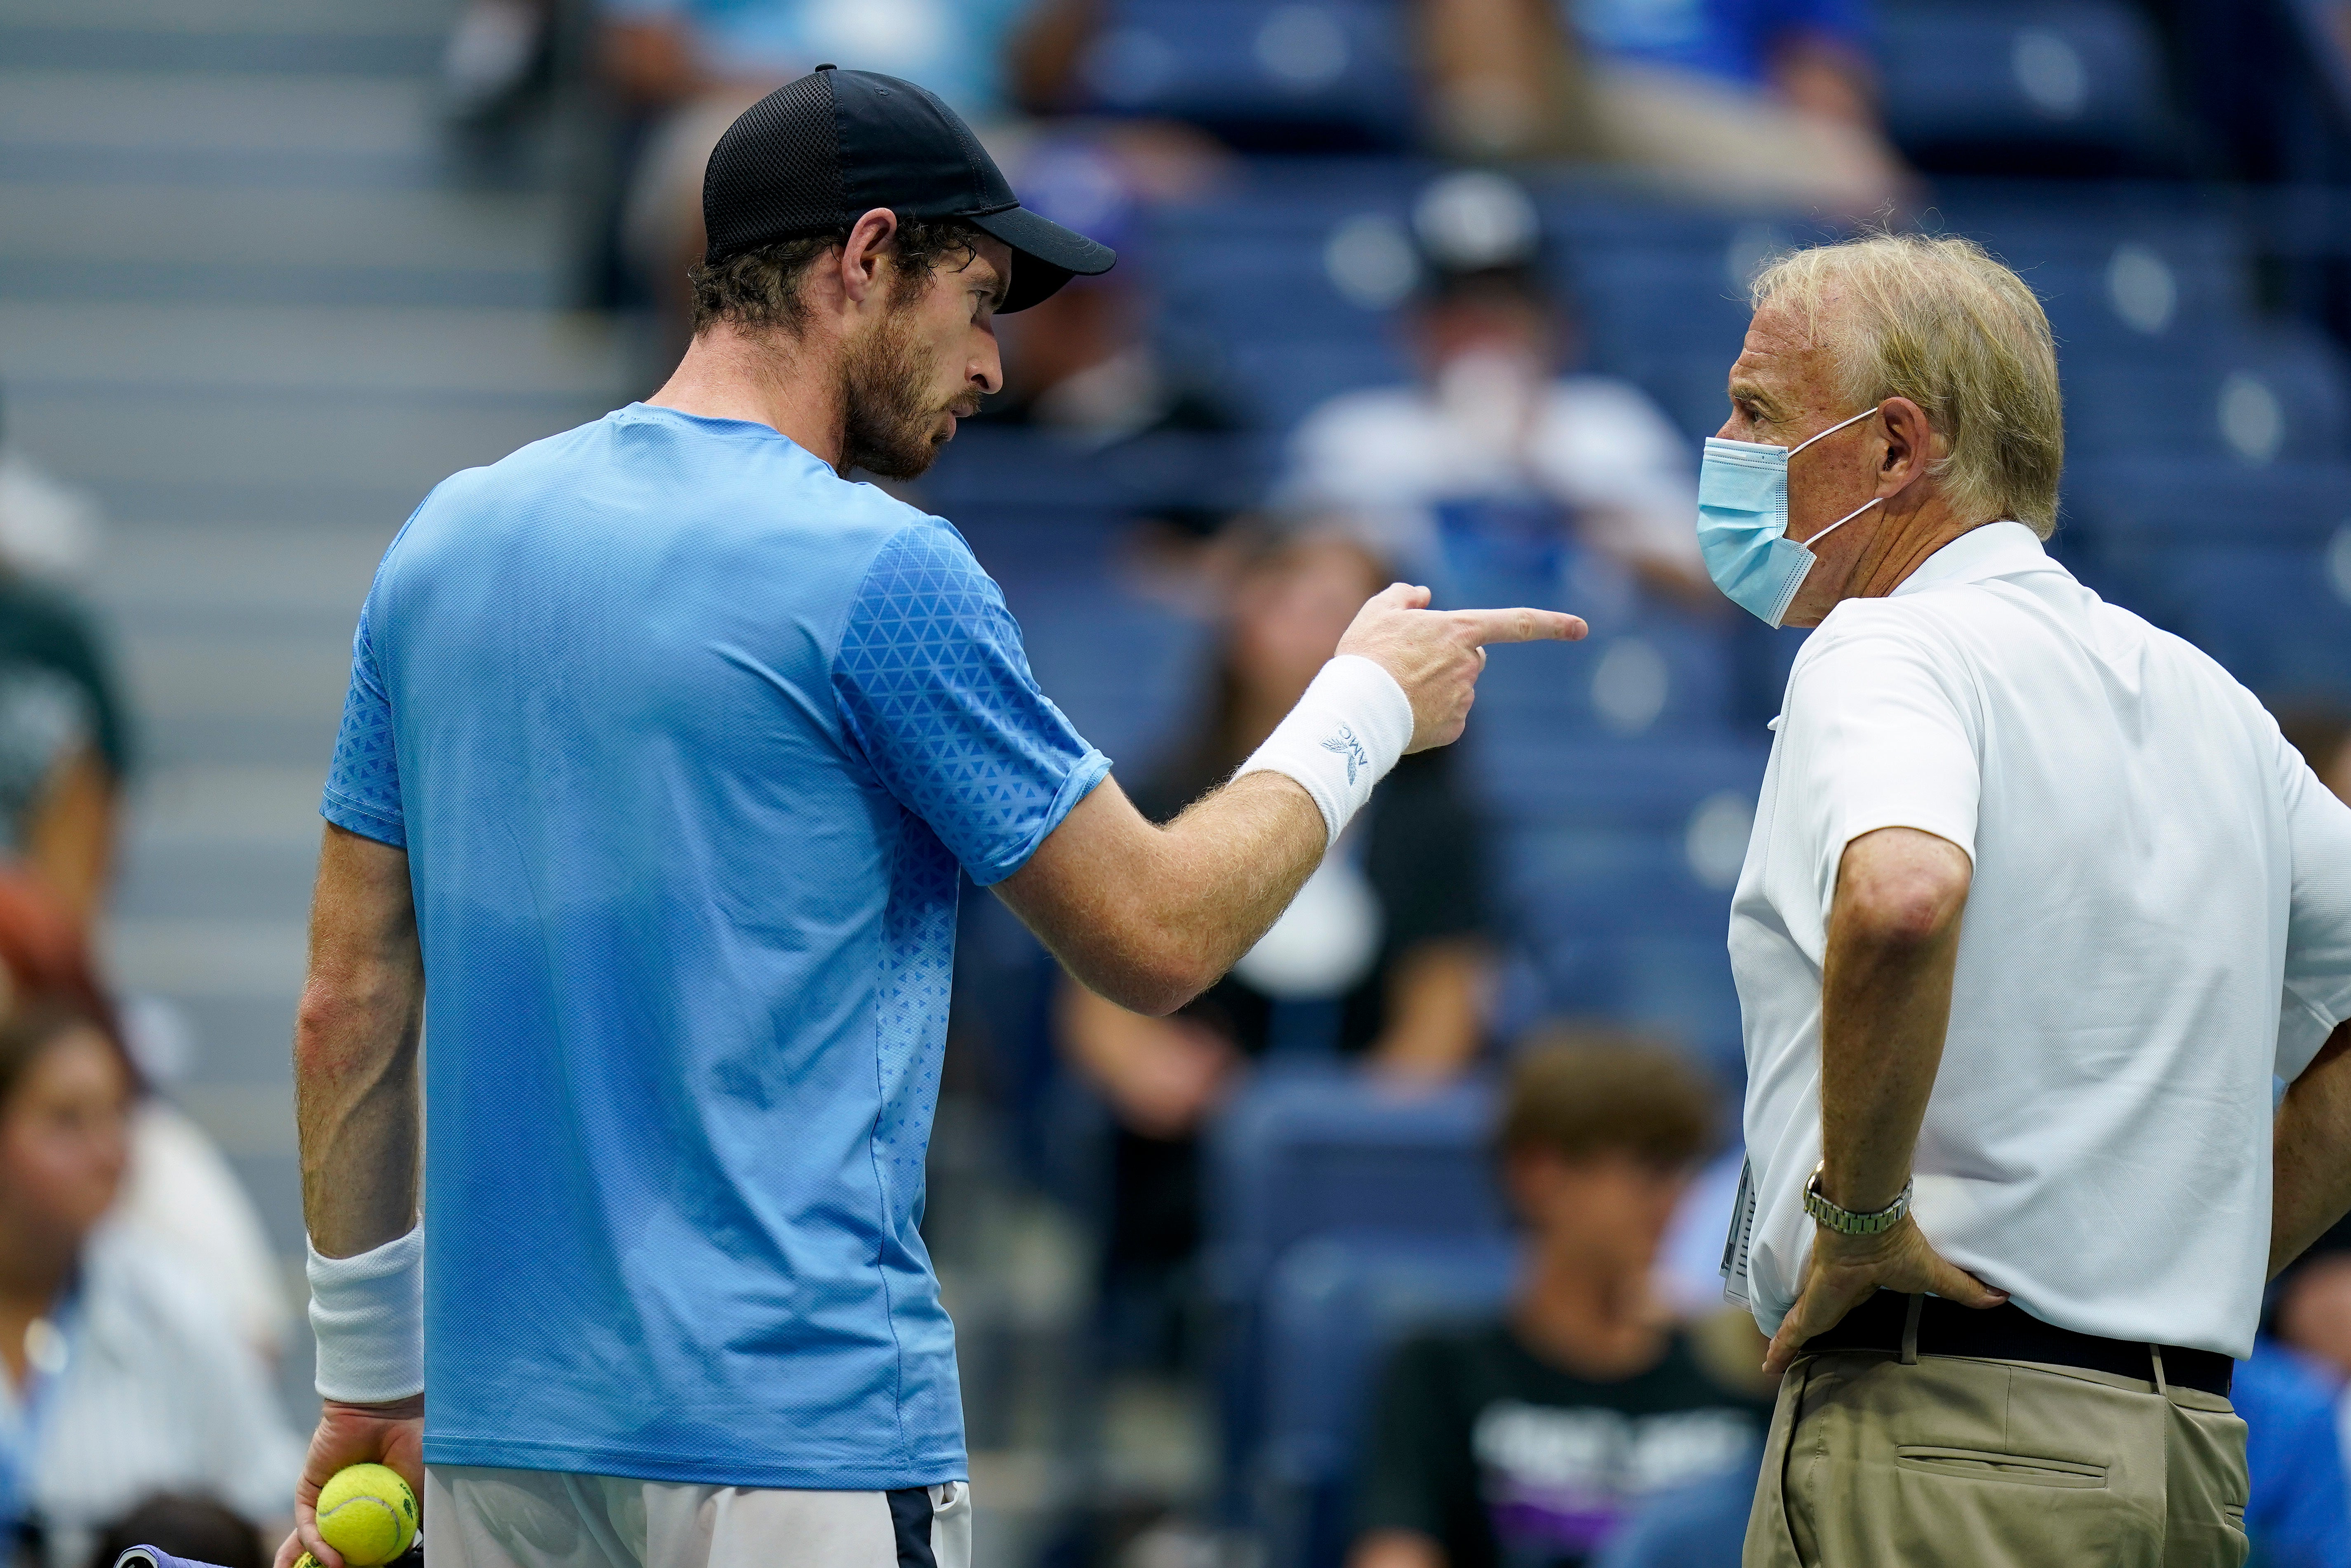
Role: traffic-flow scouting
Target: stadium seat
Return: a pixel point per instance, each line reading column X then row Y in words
column 1336, row 1306
column 2253, row 566
column 2047, row 86
column 1310, row 1149
column 2257, row 396
column 1277, row 75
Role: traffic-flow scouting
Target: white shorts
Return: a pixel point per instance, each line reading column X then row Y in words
column 546, row 1519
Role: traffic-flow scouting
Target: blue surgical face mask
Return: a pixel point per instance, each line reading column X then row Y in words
column 1742, row 522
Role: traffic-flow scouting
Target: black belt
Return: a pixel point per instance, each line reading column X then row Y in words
column 2008, row 1333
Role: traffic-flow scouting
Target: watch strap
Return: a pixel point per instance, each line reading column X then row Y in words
column 1845, row 1221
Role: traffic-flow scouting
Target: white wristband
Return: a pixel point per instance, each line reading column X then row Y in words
column 1342, row 738
column 368, row 1314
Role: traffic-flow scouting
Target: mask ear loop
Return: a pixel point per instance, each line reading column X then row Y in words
column 1832, row 430
column 1841, row 522
column 1857, row 511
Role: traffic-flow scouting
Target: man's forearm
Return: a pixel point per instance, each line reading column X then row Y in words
column 358, row 1106
column 2312, row 1186
column 1151, row 916
column 1886, row 1002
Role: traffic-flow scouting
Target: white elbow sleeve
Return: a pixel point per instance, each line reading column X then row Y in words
column 1342, row 738
column 367, row 1313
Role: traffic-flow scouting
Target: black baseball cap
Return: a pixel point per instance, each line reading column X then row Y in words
column 816, row 154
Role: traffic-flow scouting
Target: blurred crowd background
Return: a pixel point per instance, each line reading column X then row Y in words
column 1396, row 1248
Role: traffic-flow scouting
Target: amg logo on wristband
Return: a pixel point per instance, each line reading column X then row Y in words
column 1348, row 747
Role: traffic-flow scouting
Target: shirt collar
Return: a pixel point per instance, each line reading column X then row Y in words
column 1994, row 549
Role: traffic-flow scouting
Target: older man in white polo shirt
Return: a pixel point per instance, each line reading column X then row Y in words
column 2037, row 902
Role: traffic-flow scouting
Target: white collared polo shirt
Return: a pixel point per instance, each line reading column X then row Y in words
column 2159, row 921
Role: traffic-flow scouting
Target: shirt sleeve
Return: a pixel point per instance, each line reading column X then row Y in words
column 935, row 688
column 2318, row 923
column 1416, row 1467
column 1880, row 730
column 363, row 781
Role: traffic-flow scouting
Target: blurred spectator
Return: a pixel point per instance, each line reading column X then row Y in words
column 1529, row 1440
column 180, row 1200
column 1746, row 100
column 1381, row 959
column 1493, row 440
column 49, row 530
column 1081, row 365
column 64, row 738
column 56, row 794
column 497, row 53
column 1743, row 101
column 688, row 67
column 65, row 755
column 122, row 1382
column 2299, row 1515
column 194, row 1527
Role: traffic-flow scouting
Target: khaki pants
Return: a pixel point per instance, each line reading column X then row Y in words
column 1992, row 1464
column 544, row 1519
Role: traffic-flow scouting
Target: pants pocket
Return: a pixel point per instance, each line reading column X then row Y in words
column 2022, row 1469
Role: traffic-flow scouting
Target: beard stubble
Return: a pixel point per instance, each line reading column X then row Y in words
column 892, row 429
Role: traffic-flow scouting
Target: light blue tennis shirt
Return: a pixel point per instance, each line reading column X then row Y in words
column 685, row 738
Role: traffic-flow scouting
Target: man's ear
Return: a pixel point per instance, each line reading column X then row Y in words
column 866, row 253
column 1910, row 445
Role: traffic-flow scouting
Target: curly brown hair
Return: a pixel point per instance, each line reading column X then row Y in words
column 762, row 286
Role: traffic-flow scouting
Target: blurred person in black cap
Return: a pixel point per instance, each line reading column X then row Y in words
column 1493, row 438
column 666, row 750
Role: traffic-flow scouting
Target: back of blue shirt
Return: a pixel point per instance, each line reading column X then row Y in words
column 685, row 738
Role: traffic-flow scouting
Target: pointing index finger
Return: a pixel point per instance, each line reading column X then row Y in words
column 1522, row 625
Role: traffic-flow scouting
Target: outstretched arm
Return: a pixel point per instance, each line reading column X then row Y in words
column 359, row 1115
column 1886, row 1001
column 1149, row 916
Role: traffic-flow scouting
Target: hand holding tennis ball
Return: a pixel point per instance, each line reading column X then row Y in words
column 367, row 1513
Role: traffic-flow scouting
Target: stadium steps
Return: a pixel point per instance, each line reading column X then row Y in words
column 248, row 300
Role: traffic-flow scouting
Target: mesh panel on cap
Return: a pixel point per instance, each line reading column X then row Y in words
column 777, row 172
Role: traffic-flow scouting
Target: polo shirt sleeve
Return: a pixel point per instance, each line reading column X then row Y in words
column 1880, row 730
column 2318, row 923
column 364, row 780
column 933, row 687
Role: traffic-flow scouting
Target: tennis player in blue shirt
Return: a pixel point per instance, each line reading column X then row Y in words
column 664, row 748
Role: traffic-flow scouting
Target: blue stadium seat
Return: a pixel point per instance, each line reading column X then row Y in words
column 1646, row 669
column 2257, row 396
column 1309, row 1149
column 2252, row 565
column 1534, row 778
column 2048, row 86
column 1617, row 876
column 1336, row 1306
column 1264, row 74
column 991, row 469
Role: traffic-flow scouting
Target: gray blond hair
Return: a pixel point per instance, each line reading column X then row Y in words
column 1939, row 322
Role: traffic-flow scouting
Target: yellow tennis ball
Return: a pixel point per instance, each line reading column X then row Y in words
column 367, row 1513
